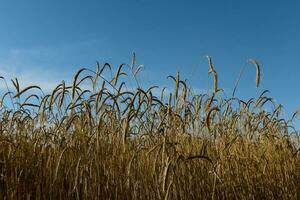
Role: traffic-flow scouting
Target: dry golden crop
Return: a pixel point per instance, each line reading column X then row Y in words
column 96, row 139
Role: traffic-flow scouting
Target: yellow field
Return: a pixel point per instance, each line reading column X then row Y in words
column 96, row 139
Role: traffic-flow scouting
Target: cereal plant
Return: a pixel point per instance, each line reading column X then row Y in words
column 99, row 138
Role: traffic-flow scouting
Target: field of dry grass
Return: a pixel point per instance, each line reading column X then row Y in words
column 96, row 139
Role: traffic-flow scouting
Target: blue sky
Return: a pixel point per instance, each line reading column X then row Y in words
column 47, row 41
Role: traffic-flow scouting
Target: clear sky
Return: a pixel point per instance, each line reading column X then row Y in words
column 47, row 41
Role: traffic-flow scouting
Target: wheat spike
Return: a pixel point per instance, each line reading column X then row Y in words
column 253, row 61
column 212, row 71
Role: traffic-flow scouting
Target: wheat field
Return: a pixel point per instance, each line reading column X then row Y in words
column 99, row 138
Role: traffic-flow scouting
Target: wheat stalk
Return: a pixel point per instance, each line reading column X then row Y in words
column 257, row 66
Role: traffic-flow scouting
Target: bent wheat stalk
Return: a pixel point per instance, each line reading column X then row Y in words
column 257, row 66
